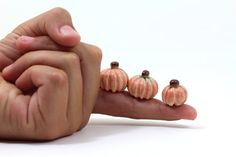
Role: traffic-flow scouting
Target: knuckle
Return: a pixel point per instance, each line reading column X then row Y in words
column 72, row 59
column 58, row 77
column 61, row 12
column 95, row 53
column 72, row 56
column 98, row 53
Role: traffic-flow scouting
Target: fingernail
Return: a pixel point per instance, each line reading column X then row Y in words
column 26, row 39
column 67, row 30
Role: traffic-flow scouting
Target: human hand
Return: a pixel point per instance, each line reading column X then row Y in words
column 45, row 102
column 89, row 56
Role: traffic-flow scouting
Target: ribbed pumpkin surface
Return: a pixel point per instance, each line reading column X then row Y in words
column 143, row 87
column 113, row 79
column 174, row 94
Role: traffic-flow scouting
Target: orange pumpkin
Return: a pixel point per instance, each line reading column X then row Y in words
column 174, row 94
column 143, row 86
column 113, row 79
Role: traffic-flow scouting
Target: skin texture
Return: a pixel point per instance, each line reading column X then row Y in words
column 82, row 71
column 123, row 105
column 40, row 99
column 49, row 77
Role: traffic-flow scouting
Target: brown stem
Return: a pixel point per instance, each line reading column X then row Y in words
column 174, row 83
column 145, row 74
column 114, row 65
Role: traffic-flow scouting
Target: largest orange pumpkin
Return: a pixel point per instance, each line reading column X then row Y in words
column 113, row 79
column 143, row 86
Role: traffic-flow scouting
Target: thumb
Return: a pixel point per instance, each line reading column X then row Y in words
column 55, row 23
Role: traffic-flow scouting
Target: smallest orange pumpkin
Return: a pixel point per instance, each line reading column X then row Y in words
column 113, row 79
column 143, row 86
column 174, row 94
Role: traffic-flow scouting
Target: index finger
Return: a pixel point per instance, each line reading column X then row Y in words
column 123, row 105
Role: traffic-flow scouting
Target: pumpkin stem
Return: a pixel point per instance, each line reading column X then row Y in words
column 145, row 74
column 174, row 83
column 114, row 65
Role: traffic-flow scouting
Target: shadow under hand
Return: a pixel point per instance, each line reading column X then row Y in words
column 105, row 127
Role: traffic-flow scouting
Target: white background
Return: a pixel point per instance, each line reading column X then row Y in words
column 192, row 40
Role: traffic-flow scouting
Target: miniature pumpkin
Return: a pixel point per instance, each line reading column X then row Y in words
column 143, row 86
column 174, row 94
column 113, row 79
